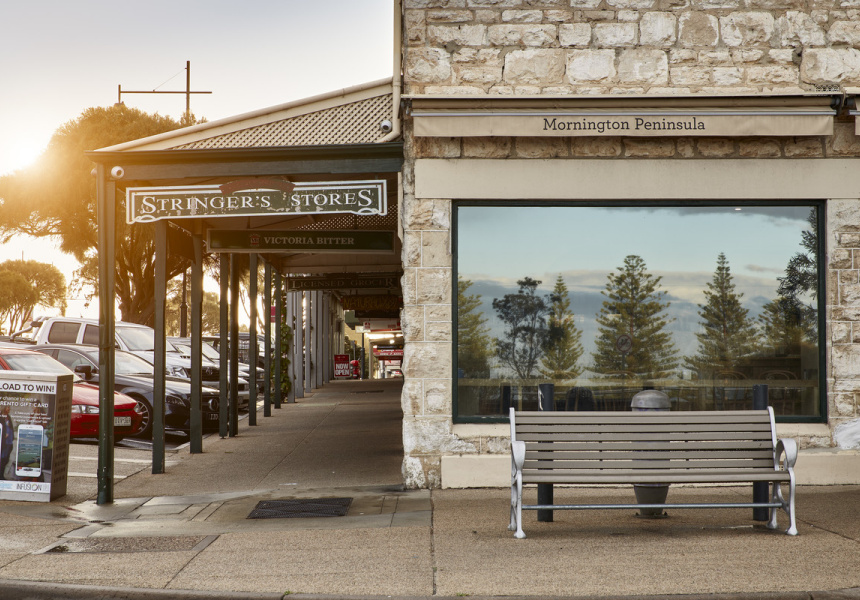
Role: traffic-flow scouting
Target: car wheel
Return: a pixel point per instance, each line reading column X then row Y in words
column 145, row 410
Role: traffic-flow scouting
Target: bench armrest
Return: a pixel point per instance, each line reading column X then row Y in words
column 518, row 456
column 786, row 447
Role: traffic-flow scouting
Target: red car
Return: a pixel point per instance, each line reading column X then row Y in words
column 85, row 397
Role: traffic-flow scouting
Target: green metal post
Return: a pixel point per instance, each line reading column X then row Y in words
column 159, row 347
column 224, row 402
column 196, row 441
column 106, row 198
column 279, row 315
column 234, row 345
column 267, row 333
column 252, row 339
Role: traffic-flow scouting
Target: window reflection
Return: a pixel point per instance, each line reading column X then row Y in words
column 702, row 302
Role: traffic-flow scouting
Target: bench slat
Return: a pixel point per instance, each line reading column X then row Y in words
column 655, row 437
column 601, row 465
column 653, row 445
column 638, row 427
column 652, row 417
column 649, row 454
column 636, row 476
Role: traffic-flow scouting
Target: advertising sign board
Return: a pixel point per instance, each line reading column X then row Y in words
column 35, row 413
column 249, row 240
column 341, row 365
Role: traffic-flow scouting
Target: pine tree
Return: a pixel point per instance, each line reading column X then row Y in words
column 634, row 307
column 526, row 332
column 565, row 347
column 786, row 325
column 728, row 335
column 474, row 347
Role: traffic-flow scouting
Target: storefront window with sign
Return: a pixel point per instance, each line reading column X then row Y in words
column 702, row 301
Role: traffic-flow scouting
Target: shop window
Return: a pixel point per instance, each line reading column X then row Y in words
column 701, row 301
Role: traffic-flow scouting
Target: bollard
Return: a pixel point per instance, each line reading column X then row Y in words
column 546, row 401
column 760, row 488
column 506, row 399
column 650, row 399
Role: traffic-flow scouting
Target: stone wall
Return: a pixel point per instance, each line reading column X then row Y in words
column 579, row 47
column 527, row 47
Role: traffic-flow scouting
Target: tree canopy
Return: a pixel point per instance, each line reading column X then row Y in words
column 564, row 347
column 24, row 284
column 56, row 197
column 526, row 334
column 474, row 345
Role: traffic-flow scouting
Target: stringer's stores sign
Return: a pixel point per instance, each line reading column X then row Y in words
column 510, row 118
column 145, row 204
column 244, row 240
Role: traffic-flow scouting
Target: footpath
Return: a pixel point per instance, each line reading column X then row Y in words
column 187, row 533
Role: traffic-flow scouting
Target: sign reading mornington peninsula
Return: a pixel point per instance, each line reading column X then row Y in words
column 255, row 198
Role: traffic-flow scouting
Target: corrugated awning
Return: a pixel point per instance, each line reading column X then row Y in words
column 459, row 117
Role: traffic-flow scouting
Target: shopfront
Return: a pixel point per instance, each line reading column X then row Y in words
column 610, row 216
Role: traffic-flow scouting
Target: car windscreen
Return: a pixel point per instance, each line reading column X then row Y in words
column 38, row 362
column 140, row 339
column 126, row 363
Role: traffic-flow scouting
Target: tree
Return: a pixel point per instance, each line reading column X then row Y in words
column 526, row 332
column 211, row 312
column 786, row 325
column 57, row 197
column 564, row 348
column 728, row 335
column 474, row 345
column 790, row 313
column 634, row 308
column 46, row 285
column 15, row 294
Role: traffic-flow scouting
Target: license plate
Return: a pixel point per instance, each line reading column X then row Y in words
column 212, row 416
column 122, row 421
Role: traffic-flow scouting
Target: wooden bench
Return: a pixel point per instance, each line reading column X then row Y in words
column 615, row 448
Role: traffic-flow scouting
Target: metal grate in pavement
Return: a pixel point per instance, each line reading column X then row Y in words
column 301, row 508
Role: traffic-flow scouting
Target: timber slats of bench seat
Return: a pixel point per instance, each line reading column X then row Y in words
column 650, row 447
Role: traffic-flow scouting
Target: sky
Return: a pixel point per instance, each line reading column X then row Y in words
column 59, row 58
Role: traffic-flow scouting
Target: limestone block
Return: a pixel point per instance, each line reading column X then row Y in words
column 557, row 90
column 840, row 333
column 685, row 147
column 454, row 90
column 717, row 4
column 438, row 332
column 796, row 27
column 422, row 472
column 433, row 286
column 558, row 16
column 449, row 16
column 531, row 35
column 657, row 29
column 692, row 75
column 527, row 90
column 438, row 396
column 496, row 445
column 804, row 148
column 848, row 239
column 597, row 147
column 534, row 67
column 649, row 147
column 627, row 16
column 437, row 312
column 412, row 397
column 585, row 4
column 631, row 4
column 843, row 142
column 587, row 66
column 772, row 74
column 840, row 258
column 546, row 3
column 486, row 147
column 463, row 35
column 830, row 65
column 490, row 57
column 433, row 147
column 747, row 55
column 728, row 76
column 776, row 5
column 412, row 322
column 574, row 34
column 849, row 294
column 847, row 435
column 759, row 148
column 432, row 435
column 522, row 16
column 542, row 147
column 643, row 65
column 781, row 55
column 615, row 35
column 428, row 65
column 435, row 249
column 477, row 74
column 494, row 3
column 486, row 16
column 407, row 285
column 747, row 28
column 415, row 25
column 721, row 58
column 679, row 57
column 845, row 32
column 595, row 16
column 434, row 3
column 411, row 253
column 427, row 360
column 424, row 214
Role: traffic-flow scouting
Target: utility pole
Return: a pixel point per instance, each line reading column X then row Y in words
column 187, row 91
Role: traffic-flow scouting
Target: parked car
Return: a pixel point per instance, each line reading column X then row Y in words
column 183, row 345
column 131, row 337
column 134, row 377
column 85, row 397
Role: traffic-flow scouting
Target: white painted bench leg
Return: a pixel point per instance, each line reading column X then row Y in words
column 513, row 524
column 775, row 496
column 520, row 534
column 792, row 528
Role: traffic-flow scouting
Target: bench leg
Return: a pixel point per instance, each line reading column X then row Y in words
column 788, row 507
column 518, row 508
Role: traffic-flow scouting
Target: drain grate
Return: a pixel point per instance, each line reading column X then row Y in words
column 301, row 509
column 368, row 392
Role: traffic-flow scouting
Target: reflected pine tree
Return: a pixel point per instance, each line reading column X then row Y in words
column 564, row 347
column 524, row 315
